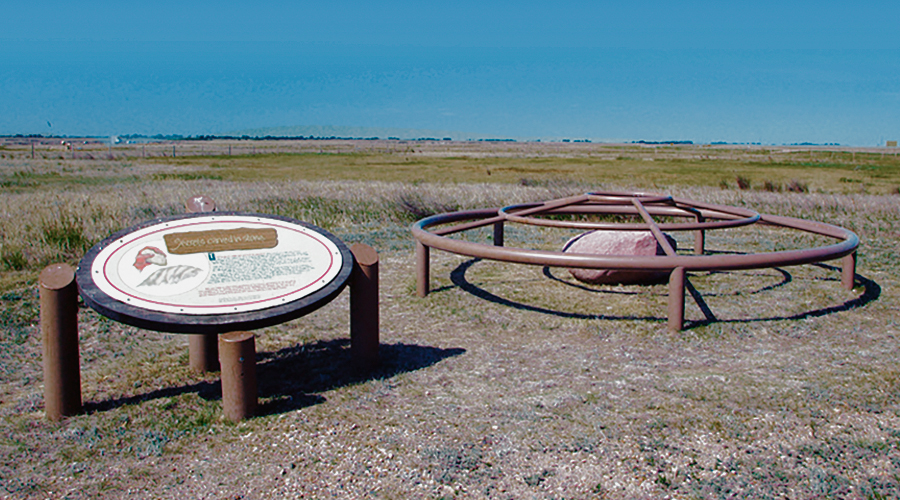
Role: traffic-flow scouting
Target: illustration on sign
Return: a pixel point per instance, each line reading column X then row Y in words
column 216, row 264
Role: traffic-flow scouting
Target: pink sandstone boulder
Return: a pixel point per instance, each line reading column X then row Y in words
column 625, row 243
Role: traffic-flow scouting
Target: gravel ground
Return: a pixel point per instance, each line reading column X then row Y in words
column 505, row 382
column 486, row 390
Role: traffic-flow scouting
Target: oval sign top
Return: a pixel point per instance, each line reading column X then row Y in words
column 216, row 263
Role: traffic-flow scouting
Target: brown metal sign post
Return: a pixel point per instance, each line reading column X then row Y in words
column 59, row 334
column 364, row 318
column 238, row 357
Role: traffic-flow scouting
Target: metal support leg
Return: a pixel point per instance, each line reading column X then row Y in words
column 59, row 334
column 237, row 355
column 700, row 238
column 364, row 308
column 676, row 299
column 422, row 269
column 204, row 352
column 699, row 242
column 848, row 271
column 498, row 234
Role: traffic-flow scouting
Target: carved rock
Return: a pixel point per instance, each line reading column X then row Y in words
column 620, row 243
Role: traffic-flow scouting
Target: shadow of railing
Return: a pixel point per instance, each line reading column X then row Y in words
column 871, row 292
column 458, row 277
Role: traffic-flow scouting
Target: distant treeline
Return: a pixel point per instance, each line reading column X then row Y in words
column 662, row 142
column 272, row 138
column 179, row 137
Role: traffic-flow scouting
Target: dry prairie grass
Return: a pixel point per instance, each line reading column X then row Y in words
column 826, row 169
column 505, row 382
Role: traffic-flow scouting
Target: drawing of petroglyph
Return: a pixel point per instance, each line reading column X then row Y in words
column 171, row 275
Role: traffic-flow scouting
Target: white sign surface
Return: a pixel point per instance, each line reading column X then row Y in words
column 216, row 265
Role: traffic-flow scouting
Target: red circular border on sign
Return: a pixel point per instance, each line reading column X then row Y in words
column 167, row 228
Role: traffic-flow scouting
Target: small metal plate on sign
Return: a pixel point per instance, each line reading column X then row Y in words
column 212, row 266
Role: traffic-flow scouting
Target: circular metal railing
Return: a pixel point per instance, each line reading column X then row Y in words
column 432, row 232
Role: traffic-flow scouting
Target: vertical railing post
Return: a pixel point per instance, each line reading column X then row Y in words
column 364, row 329
column 676, row 299
column 203, row 348
column 498, row 234
column 59, row 335
column 422, row 269
column 848, row 271
column 237, row 356
column 700, row 238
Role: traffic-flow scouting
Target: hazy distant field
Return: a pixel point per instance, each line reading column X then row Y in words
column 828, row 169
column 506, row 381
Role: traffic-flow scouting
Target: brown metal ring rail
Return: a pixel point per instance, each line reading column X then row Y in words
column 706, row 217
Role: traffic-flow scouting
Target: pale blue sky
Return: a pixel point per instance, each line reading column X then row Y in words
column 763, row 71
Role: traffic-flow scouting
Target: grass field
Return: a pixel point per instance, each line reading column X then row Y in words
column 506, row 381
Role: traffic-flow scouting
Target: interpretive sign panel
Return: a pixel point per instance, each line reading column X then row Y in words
column 221, row 268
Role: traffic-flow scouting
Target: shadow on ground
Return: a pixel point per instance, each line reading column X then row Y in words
column 458, row 277
column 293, row 377
column 871, row 292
